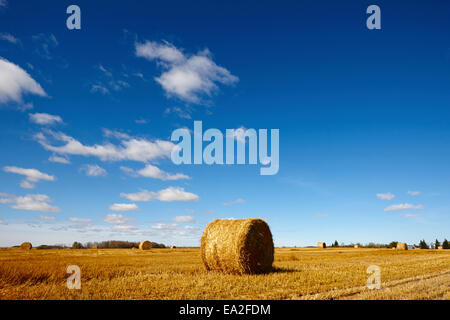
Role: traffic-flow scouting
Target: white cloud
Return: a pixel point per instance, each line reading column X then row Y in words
column 210, row 211
column 107, row 82
column 184, row 219
column 163, row 226
column 16, row 82
column 32, row 202
column 136, row 149
column 385, row 196
column 123, row 207
column 3, row 222
column 32, row 176
column 44, row 118
column 116, row 219
column 115, row 134
column 154, row 172
column 93, row 170
column 231, row 203
column 413, row 193
column 187, row 77
column 47, row 218
column 321, row 215
column 167, row 195
column 190, row 211
column 9, row 37
column 55, row 158
column 80, row 220
column 404, row 206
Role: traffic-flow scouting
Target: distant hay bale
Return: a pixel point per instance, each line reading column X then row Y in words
column 440, row 248
column 356, row 246
column 402, row 246
column 26, row 246
column 173, row 247
column 321, row 245
column 145, row 245
column 237, row 246
column 94, row 247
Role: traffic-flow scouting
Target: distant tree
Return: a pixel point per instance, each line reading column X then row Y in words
column 335, row 244
column 423, row 245
column 77, row 245
column 445, row 244
column 437, row 244
column 393, row 244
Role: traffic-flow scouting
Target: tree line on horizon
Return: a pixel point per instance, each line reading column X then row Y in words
column 422, row 245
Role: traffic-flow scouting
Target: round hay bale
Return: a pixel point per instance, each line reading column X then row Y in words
column 440, row 248
column 402, row 246
column 173, row 247
column 26, row 246
column 356, row 246
column 321, row 245
column 237, row 246
column 94, row 247
column 145, row 245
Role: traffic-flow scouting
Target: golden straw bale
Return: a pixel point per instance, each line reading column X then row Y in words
column 145, row 245
column 26, row 246
column 237, row 246
column 402, row 246
column 322, row 245
column 440, row 248
column 356, row 246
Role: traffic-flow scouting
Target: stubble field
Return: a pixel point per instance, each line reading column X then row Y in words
column 299, row 273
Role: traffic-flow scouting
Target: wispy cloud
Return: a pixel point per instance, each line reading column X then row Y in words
column 232, row 203
column 414, row 193
column 3, row 3
column 57, row 159
column 321, row 215
column 114, row 218
column 182, row 113
column 186, row 77
column 385, row 196
column 32, row 202
column 404, row 206
column 123, row 207
column 32, row 176
column 9, row 37
column 410, row 215
column 45, row 44
column 47, row 218
column 170, row 194
column 94, row 170
column 80, row 220
column 184, row 219
column 107, row 82
column 44, row 118
column 136, row 149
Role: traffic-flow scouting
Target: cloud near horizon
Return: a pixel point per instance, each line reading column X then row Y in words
column 31, row 202
column 404, row 206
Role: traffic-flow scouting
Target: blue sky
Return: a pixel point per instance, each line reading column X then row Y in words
column 363, row 118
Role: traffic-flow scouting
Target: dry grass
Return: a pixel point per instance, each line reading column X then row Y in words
column 179, row 274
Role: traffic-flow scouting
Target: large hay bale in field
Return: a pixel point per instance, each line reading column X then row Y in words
column 356, row 246
column 321, row 245
column 26, row 246
column 402, row 246
column 145, row 245
column 237, row 246
column 440, row 248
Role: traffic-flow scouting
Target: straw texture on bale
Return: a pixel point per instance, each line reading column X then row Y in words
column 145, row 245
column 237, row 246
column 356, row 246
column 322, row 245
column 402, row 246
column 173, row 247
column 26, row 246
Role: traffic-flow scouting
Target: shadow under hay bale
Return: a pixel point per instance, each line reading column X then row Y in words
column 237, row 246
column 26, row 246
column 145, row 245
